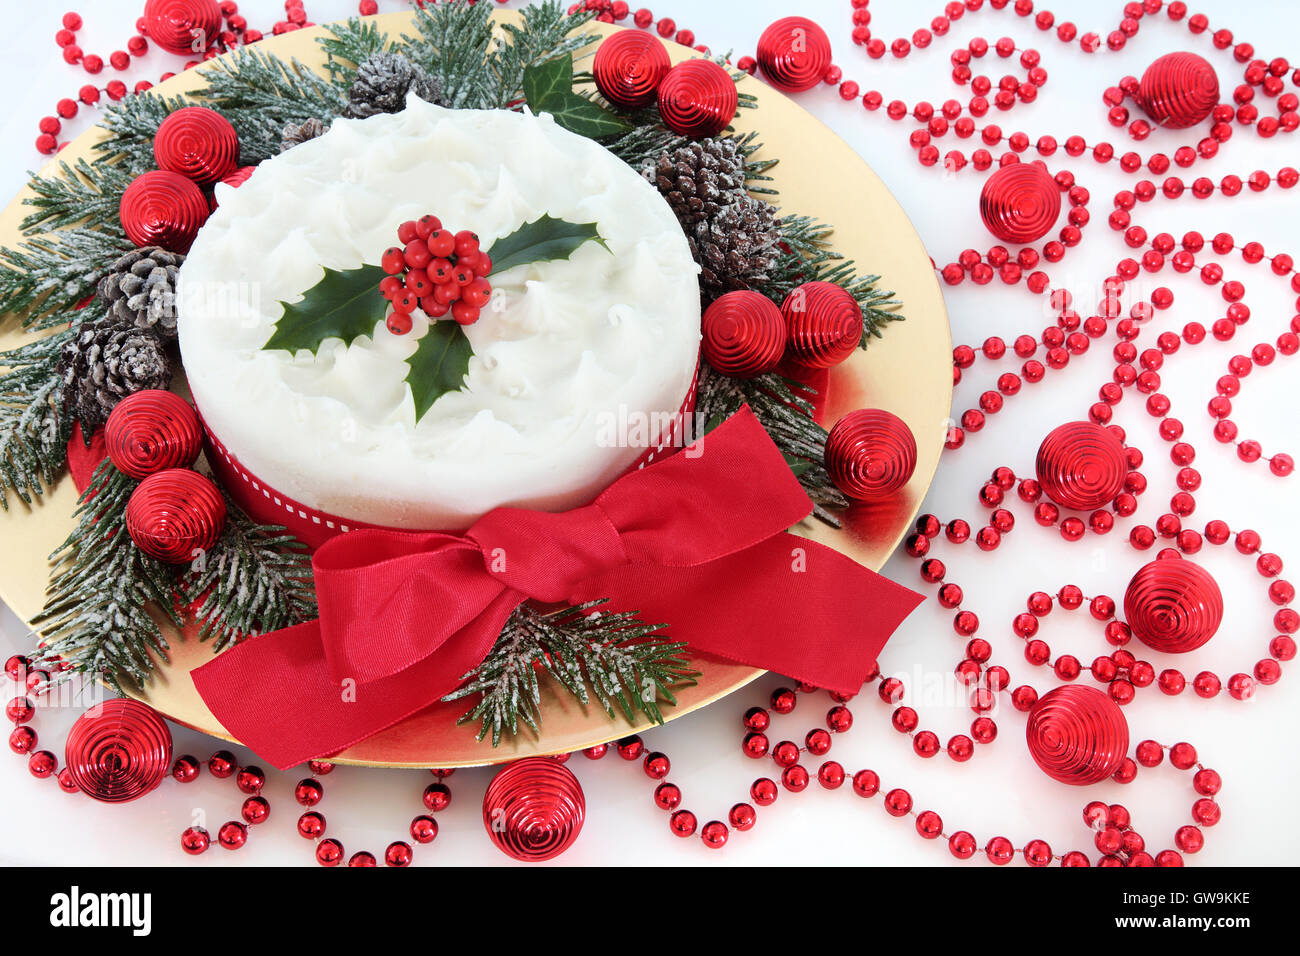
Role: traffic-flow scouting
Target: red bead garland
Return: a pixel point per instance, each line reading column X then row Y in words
column 197, row 142
column 1173, row 605
column 162, row 208
column 1179, row 90
column 1077, row 735
column 743, row 334
column 533, row 809
column 794, row 54
column 628, row 68
column 697, row 98
column 150, row 431
column 175, row 515
column 1020, row 202
column 118, row 750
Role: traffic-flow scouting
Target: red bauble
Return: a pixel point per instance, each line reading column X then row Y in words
column 533, row 809
column 175, row 515
column 162, row 208
column 870, row 454
column 794, row 53
column 823, row 324
column 697, row 98
column 185, row 27
column 1173, row 605
column 238, row 176
column 1178, row 90
column 743, row 334
column 150, row 431
column 118, row 750
column 629, row 66
column 1020, row 202
column 1077, row 735
column 197, row 142
column 1081, row 466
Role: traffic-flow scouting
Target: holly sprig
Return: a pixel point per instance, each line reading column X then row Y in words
column 347, row 304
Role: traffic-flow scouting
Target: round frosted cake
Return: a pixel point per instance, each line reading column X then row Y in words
column 574, row 373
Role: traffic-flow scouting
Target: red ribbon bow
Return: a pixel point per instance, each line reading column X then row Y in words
column 696, row 540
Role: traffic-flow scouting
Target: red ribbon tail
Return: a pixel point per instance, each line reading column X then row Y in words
column 788, row 605
column 274, row 694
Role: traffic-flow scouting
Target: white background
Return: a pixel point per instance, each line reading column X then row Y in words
column 1000, row 791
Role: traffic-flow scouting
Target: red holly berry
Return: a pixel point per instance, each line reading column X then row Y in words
column 393, row 261
column 478, row 293
column 417, row 282
column 417, row 254
column 408, row 231
column 464, row 313
column 466, row 243
column 427, row 226
column 399, row 323
column 440, row 270
column 389, row 286
column 441, row 243
column 484, row 265
column 405, row 302
column 433, row 308
column 446, row 293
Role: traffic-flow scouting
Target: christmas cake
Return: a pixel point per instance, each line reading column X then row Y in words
column 579, row 364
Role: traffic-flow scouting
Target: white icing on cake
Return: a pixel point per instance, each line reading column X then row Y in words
column 577, row 341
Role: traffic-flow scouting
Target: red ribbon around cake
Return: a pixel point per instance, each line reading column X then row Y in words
column 696, row 540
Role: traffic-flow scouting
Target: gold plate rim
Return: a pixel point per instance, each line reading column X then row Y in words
column 816, row 169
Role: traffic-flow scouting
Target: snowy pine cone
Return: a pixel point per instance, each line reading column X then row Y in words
column 103, row 363
column 139, row 290
column 736, row 248
column 382, row 83
column 700, row 179
column 295, row 134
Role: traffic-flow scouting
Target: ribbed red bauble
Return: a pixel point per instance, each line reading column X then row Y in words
column 1020, row 202
column 118, row 750
column 697, row 98
column 794, row 54
column 150, row 431
column 175, row 515
column 163, row 208
column 533, row 809
column 197, row 142
column 823, row 324
column 870, row 454
column 1077, row 735
column 1081, row 465
column 185, row 27
column 1173, row 605
column 1178, row 90
column 743, row 334
column 629, row 66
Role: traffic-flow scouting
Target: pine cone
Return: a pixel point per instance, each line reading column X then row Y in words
column 700, row 178
column 382, row 83
column 735, row 248
column 139, row 290
column 295, row 134
column 103, row 363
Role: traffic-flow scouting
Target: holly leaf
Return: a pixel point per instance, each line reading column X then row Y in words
column 439, row 364
column 545, row 82
column 580, row 115
column 541, row 240
column 345, row 304
column 548, row 88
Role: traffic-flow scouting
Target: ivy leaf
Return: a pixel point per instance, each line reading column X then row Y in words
column 438, row 365
column 548, row 88
column 345, row 304
column 541, row 240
